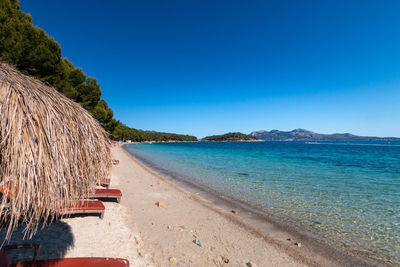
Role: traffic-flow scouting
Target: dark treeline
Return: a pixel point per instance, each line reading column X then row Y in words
column 230, row 137
column 35, row 53
column 127, row 133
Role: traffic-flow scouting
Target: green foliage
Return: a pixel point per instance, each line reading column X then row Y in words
column 140, row 136
column 88, row 94
column 123, row 132
column 26, row 46
column 36, row 54
column 230, row 137
column 104, row 115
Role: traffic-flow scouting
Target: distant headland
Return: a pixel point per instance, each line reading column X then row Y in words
column 230, row 137
column 305, row 135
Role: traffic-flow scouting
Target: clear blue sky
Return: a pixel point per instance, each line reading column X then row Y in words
column 208, row 67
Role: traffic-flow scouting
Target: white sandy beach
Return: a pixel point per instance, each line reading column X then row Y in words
column 148, row 235
column 170, row 230
column 85, row 236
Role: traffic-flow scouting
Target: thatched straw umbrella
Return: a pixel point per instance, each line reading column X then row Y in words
column 52, row 151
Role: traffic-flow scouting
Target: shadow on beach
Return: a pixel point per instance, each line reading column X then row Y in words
column 55, row 239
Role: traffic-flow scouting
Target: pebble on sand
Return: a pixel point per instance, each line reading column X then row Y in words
column 225, row 260
column 198, row 242
column 251, row 264
column 172, row 260
column 235, row 212
column 298, row 244
column 159, row 204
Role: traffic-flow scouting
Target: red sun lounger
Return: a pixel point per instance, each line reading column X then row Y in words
column 85, row 207
column 107, row 193
column 115, row 161
column 75, row 262
column 105, row 182
column 79, row 207
column 62, row 262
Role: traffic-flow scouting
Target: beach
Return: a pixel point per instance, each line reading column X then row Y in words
column 223, row 134
column 161, row 222
column 223, row 238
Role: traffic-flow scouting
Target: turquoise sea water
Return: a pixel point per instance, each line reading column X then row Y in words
column 345, row 193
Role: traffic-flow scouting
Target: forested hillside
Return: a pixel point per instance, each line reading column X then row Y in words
column 230, row 137
column 35, row 53
column 127, row 133
column 305, row 135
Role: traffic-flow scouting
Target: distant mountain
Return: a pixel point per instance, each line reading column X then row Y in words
column 305, row 135
column 230, row 137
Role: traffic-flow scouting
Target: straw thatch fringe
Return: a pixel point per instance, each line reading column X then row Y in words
column 52, row 151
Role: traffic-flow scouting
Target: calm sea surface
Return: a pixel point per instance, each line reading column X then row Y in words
column 346, row 193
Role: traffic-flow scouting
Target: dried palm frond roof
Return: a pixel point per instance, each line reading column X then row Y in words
column 52, row 151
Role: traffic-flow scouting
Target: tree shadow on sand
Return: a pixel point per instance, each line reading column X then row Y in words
column 55, row 239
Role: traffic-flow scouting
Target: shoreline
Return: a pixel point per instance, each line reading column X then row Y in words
column 275, row 234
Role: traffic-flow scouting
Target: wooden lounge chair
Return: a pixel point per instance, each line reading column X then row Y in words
column 79, row 207
column 84, row 207
column 63, row 262
column 105, row 182
column 107, row 193
column 75, row 262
